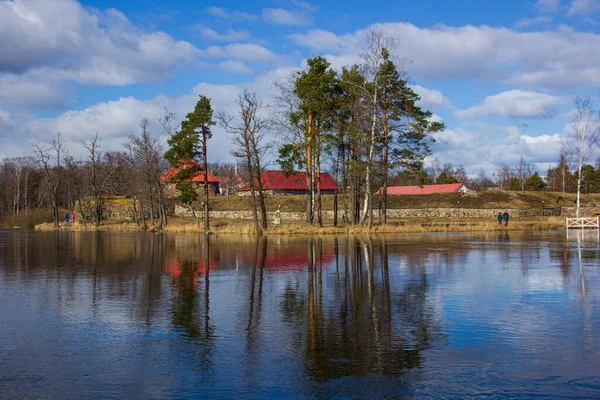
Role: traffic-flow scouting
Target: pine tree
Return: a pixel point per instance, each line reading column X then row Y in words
column 187, row 146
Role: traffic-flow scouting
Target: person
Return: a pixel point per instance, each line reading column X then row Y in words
column 505, row 216
column 67, row 218
column 344, row 219
column 500, row 218
column 73, row 217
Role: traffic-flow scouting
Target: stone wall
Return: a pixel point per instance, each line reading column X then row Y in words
column 395, row 213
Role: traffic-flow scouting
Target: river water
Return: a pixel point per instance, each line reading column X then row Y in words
column 130, row 315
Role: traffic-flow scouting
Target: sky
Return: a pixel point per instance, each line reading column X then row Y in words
column 502, row 75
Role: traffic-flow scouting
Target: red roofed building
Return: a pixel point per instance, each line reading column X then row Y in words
column 278, row 183
column 169, row 178
column 427, row 189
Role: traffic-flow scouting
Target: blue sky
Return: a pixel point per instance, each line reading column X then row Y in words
column 502, row 75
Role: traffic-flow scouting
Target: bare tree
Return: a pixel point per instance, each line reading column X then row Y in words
column 99, row 177
column 51, row 160
column 584, row 137
column 248, row 131
column 522, row 172
column 145, row 154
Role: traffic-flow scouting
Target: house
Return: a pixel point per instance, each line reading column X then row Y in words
column 169, row 179
column 278, row 183
column 229, row 185
column 427, row 189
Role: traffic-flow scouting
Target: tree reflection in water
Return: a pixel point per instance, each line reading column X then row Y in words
column 363, row 327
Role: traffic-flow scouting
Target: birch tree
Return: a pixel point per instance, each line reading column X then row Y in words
column 583, row 138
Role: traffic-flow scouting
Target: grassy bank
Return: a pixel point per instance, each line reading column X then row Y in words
column 26, row 219
column 186, row 225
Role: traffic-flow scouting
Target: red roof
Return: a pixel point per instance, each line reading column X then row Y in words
column 277, row 180
column 169, row 175
column 426, row 189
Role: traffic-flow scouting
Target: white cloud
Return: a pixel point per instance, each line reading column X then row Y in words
column 431, row 98
column 235, row 66
column 232, row 15
column 583, row 7
column 46, row 45
column 115, row 120
column 488, row 146
column 99, row 48
column 279, row 16
column 32, row 91
column 549, row 59
column 548, row 6
column 317, row 39
column 515, row 104
column 242, row 51
column 230, row 36
column 539, row 20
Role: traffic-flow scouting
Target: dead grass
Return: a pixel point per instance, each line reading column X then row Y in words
column 78, row 227
column 188, row 225
column 26, row 219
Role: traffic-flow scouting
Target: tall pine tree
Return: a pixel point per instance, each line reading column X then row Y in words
column 187, row 146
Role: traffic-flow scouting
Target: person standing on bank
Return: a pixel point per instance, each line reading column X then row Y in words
column 505, row 216
column 500, row 219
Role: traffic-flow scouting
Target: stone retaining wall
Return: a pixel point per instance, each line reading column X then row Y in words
column 404, row 213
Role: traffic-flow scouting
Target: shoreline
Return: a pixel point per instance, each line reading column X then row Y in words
column 235, row 227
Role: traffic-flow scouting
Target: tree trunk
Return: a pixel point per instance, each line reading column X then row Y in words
column 206, row 216
column 252, row 191
column 579, row 186
column 368, row 201
column 386, row 141
column 318, row 180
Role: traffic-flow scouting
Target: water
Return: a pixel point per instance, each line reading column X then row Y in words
column 107, row 315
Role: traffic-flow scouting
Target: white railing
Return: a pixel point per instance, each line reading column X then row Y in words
column 583, row 223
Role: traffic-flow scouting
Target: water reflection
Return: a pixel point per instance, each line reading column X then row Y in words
column 219, row 316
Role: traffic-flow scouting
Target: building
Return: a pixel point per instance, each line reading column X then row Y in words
column 426, row 189
column 278, row 183
column 169, row 179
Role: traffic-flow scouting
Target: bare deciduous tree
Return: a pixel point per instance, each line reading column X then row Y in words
column 99, row 175
column 248, row 131
column 51, row 160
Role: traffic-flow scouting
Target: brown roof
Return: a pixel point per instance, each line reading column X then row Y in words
column 169, row 175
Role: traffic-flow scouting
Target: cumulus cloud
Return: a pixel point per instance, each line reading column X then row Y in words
column 97, row 48
column 488, row 146
column 317, row 39
column 46, row 45
column 242, row 51
column 548, row 59
column 583, row 7
column 548, row 6
column 32, row 91
column 235, row 66
column 515, row 104
column 116, row 119
column 431, row 98
column 230, row 36
column 279, row 16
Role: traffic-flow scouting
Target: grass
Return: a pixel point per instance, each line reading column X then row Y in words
column 26, row 219
column 188, row 225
